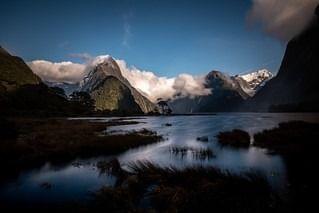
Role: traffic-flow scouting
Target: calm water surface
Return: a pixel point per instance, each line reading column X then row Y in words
column 78, row 179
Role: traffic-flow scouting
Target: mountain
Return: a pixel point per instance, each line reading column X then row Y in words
column 228, row 93
column 68, row 88
column 14, row 73
column 23, row 93
column 111, row 90
column 295, row 88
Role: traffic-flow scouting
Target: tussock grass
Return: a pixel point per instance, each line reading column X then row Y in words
column 193, row 189
column 197, row 153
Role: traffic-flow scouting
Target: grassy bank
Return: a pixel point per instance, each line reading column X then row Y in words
column 35, row 141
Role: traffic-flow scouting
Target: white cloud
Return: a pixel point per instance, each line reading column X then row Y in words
column 152, row 86
column 155, row 87
column 282, row 19
column 65, row 71
column 188, row 85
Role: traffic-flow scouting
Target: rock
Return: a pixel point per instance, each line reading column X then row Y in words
column 46, row 185
column 202, row 139
column 235, row 138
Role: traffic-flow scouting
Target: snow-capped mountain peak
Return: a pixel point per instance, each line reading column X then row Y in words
column 255, row 79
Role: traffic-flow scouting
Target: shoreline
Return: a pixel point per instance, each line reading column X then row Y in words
column 64, row 130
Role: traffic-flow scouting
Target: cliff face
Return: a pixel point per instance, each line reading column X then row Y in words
column 296, row 87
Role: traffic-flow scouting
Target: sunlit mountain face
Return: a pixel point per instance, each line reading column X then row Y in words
column 159, row 106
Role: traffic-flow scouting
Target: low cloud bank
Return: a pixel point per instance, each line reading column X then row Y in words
column 282, row 19
column 65, row 71
column 162, row 87
column 151, row 85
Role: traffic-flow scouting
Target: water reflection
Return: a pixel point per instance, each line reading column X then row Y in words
column 195, row 153
column 181, row 148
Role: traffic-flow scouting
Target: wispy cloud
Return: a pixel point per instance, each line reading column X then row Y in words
column 83, row 56
column 127, row 30
column 127, row 35
column 64, row 45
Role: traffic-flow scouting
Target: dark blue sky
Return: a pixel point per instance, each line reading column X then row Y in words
column 166, row 37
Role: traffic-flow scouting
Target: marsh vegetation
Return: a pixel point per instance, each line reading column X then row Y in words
column 168, row 189
column 196, row 153
column 160, row 184
column 32, row 142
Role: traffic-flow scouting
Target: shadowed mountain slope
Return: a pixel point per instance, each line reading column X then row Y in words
column 296, row 87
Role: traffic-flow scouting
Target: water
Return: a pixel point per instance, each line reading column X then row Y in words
column 78, row 179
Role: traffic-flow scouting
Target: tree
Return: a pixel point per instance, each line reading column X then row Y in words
column 84, row 99
column 164, row 108
column 59, row 91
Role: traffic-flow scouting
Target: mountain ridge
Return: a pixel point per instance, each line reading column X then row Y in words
column 228, row 94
